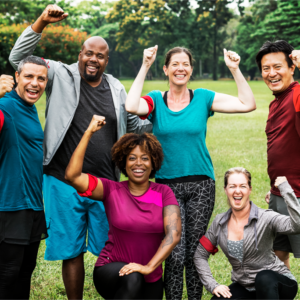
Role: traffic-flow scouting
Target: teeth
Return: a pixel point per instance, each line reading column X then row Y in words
column 237, row 198
column 273, row 81
column 32, row 91
column 179, row 76
column 138, row 171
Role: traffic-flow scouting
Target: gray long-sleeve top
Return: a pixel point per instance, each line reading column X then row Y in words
column 259, row 235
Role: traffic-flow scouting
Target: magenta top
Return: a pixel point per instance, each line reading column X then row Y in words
column 136, row 226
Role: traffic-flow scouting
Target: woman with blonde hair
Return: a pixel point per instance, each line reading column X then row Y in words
column 245, row 234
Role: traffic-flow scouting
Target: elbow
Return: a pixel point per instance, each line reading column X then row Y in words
column 130, row 109
column 68, row 176
column 176, row 238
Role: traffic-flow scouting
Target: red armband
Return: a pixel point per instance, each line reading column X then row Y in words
column 93, row 181
column 1, row 120
column 150, row 106
column 208, row 246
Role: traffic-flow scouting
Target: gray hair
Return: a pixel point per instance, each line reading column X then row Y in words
column 238, row 170
column 31, row 60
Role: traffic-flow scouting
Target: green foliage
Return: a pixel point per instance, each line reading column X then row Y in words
column 61, row 43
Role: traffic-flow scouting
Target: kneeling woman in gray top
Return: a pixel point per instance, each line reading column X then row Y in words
column 245, row 233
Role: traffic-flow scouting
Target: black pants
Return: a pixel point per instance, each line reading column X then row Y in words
column 196, row 201
column 110, row 285
column 268, row 285
column 17, row 263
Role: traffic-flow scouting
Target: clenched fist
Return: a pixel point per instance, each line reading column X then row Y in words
column 149, row 56
column 295, row 57
column 279, row 180
column 232, row 59
column 53, row 14
column 6, row 84
column 96, row 124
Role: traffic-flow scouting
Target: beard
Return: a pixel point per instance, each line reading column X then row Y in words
column 91, row 78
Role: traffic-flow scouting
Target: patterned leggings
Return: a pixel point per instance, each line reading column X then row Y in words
column 196, row 201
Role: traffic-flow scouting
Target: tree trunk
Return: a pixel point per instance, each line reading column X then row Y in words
column 215, row 58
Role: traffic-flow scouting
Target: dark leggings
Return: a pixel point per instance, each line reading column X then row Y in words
column 17, row 263
column 268, row 285
column 196, row 201
column 110, row 285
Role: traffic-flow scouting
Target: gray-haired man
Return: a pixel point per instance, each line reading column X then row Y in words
column 22, row 218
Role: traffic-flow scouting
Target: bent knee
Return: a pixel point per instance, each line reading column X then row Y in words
column 264, row 278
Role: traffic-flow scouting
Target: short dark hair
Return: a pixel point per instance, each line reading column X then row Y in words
column 31, row 60
column 148, row 142
column 274, row 47
column 179, row 50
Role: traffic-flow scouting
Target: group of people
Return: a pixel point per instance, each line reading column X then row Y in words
column 94, row 132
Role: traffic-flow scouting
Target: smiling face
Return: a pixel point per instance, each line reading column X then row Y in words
column 276, row 73
column 31, row 82
column 179, row 69
column 93, row 59
column 238, row 191
column 138, row 165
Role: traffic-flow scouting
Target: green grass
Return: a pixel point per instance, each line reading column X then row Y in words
column 232, row 140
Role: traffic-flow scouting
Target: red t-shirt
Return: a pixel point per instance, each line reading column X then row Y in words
column 283, row 134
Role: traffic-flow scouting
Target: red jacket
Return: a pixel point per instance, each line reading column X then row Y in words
column 283, row 134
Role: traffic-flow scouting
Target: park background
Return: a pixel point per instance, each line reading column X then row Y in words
column 204, row 26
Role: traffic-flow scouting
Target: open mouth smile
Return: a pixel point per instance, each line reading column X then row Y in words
column 32, row 93
column 138, row 172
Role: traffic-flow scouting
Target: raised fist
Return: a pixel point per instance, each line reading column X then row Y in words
column 295, row 57
column 232, row 59
column 149, row 56
column 96, row 124
column 279, row 180
column 6, row 84
column 53, row 14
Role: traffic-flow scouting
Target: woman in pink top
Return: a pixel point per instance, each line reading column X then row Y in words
column 143, row 216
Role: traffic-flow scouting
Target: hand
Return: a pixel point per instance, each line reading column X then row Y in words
column 96, row 124
column 279, row 180
column 133, row 267
column 295, row 57
column 6, row 84
column 267, row 198
column 232, row 59
column 149, row 56
column 222, row 290
column 53, row 14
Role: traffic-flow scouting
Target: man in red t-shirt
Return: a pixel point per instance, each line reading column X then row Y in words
column 277, row 62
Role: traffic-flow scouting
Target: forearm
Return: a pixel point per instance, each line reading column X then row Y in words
column 164, row 250
column 39, row 25
column 74, row 169
column 133, row 104
column 245, row 94
column 292, row 204
column 201, row 262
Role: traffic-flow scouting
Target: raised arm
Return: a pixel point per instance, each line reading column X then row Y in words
column 134, row 103
column 172, row 226
column 245, row 101
column 77, row 179
column 287, row 224
column 6, row 84
column 26, row 43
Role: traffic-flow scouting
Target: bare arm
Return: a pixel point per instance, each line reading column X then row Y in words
column 245, row 101
column 134, row 103
column 77, row 179
column 172, row 225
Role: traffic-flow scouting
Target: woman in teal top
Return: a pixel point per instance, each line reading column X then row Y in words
column 179, row 119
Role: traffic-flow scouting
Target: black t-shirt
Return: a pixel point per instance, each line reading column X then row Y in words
column 93, row 101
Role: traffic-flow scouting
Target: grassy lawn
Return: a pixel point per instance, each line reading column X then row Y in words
column 232, row 140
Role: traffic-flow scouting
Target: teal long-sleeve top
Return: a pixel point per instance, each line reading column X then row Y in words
column 21, row 155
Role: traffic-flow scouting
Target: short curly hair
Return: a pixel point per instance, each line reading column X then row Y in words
column 128, row 142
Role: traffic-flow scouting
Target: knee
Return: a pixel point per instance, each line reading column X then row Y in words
column 9, row 275
column 264, row 279
column 134, row 281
